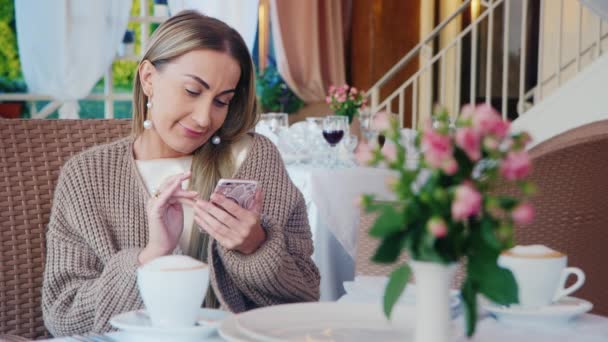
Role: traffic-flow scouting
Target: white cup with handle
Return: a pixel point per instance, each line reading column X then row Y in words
column 173, row 288
column 541, row 274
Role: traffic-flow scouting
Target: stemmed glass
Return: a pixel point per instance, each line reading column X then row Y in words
column 318, row 145
column 334, row 128
column 368, row 130
column 275, row 122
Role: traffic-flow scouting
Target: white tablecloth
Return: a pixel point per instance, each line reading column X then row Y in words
column 585, row 328
column 330, row 195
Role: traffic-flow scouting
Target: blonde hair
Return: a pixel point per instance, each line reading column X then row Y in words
column 182, row 33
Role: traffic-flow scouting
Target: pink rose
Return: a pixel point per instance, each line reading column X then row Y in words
column 364, row 154
column 469, row 140
column 467, row 202
column 332, row 88
column 437, row 227
column 516, row 166
column 490, row 143
column 389, row 151
column 328, row 99
column 342, row 98
column 523, row 213
column 449, row 166
column 437, row 147
column 381, row 121
column 353, row 91
column 488, row 121
column 467, row 111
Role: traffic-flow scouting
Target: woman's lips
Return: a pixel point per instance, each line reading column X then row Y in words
column 190, row 132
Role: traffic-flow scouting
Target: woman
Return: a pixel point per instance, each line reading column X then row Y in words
column 120, row 205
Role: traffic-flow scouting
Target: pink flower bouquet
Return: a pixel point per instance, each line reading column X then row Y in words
column 446, row 209
column 346, row 100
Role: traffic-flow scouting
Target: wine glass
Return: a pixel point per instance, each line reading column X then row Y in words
column 275, row 122
column 350, row 143
column 334, row 127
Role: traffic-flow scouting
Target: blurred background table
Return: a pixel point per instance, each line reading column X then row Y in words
column 330, row 196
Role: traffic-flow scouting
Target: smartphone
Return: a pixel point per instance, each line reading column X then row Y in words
column 241, row 191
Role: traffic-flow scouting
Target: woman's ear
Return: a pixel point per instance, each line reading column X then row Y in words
column 146, row 72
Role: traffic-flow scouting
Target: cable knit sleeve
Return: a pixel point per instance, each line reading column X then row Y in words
column 281, row 270
column 83, row 287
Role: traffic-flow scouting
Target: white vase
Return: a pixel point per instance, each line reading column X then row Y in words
column 433, row 319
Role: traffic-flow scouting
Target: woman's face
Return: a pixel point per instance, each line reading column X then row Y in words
column 190, row 97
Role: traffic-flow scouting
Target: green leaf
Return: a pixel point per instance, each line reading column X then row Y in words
column 488, row 234
column 496, row 283
column 389, row 249
column 396, row 284
column 499, row 285
column 389, row 221
column 469, row 297
column 507, row 203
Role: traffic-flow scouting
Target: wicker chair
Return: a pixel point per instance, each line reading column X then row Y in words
column 31, row 155
column 572, row 204
column 571, row 209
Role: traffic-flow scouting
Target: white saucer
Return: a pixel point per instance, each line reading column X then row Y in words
column 370, row 289
column 559, row 312
column 229, row 330
column 138, row 322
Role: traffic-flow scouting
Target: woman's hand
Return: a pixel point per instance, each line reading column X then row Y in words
column 166, row 217
column 233, row 227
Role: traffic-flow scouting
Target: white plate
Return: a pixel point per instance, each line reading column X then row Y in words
column 325, row 322
column 559, row 312
column 138, row 322
column 229, row 330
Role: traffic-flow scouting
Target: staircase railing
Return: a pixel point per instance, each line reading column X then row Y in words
column 434, row 78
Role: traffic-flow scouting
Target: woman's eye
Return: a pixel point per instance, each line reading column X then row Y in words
column 192, row 93
column 220, row 103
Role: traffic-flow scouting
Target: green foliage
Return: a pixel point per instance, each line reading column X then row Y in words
column 273, row 93
column 396, row 284
column 124, row 73
column 7, row 10
column 9, row 56
column 12, row 86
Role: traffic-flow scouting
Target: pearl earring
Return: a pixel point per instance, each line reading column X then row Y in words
column 147, row 124
column 216, row 140
column 149, row 104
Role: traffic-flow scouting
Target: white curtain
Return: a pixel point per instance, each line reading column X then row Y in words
column 242, row 15
column 65, row 46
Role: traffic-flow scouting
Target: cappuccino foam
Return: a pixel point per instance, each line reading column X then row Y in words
column 173, row 263
column 533, row 251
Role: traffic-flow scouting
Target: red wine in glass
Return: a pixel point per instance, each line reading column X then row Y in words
column 381, row 140
column 333, row 137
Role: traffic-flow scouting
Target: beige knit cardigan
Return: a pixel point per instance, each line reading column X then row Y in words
column 98, row 226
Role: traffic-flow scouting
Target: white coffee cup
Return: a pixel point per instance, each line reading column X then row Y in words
column 541, row 274
column 173, row 288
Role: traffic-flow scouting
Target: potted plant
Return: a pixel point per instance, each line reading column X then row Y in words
column 446, row 212
column 346, row 100
column 11, row 109
column 273, row 93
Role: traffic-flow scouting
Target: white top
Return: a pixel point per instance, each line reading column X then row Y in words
column 155, row 171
